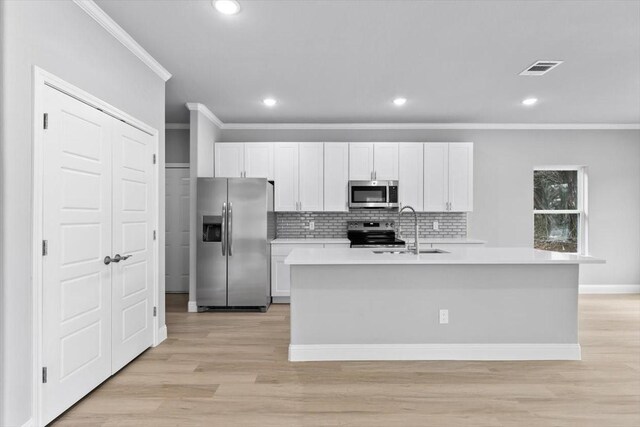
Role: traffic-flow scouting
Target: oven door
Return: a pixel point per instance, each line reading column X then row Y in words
column 368, row 194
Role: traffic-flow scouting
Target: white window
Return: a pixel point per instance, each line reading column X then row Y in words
column 560, row 208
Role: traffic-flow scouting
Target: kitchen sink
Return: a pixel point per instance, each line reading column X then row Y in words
column 409, row 252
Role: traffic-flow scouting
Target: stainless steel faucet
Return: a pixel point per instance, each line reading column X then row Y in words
column 415, row 223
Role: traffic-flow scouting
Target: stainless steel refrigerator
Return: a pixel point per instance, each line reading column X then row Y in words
column 236, row 218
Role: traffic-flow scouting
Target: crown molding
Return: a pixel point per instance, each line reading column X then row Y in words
column 176, row 126
column 195, row 106
column 429, row 126
column 101, row 17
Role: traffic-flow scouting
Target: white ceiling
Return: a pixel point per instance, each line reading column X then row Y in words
column 344, row 61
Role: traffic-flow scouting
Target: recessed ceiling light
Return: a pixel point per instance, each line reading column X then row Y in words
column 269, row 102
column 529, row 101
column 227, row 7
column 400, row 101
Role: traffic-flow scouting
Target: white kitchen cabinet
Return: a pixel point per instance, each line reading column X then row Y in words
column 285, row 162
column 410, row 173
column 385, row 161
column 229, row 160
column 361, row 161
column 371, row 161
column 258, row 160
column 461, row 177
column 311, row 176
column 448, row 177
column 336, row 176
column 436, row 177
column 244, row 160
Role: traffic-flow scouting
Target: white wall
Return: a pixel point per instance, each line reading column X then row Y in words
column 177, row 145
column 61, row 39
column 503, row 184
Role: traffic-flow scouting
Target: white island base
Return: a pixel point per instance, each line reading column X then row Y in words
column 387, row 307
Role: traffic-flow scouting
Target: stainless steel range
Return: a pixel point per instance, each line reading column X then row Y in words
column 373, row 235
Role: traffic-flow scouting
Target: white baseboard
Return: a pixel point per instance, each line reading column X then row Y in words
column 29, row 423
column 326, row 352
column 610, row 289
column 162, row 335
column 192, row 307
column 280, row 300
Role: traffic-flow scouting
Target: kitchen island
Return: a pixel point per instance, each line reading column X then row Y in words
column 465, row 304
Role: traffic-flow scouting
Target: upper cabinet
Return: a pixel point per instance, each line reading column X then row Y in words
column 411, row 180
column 299, row 176
column 244, row 160
column 373, row 161
column 336, row 176
column 448, row 177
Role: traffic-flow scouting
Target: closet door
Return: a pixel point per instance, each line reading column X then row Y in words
column 76, row 288
column 133, row 224
column 177, row 229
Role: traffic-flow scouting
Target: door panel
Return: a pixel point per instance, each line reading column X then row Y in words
column 76, row 292
column 411, row 180
column 436, row 177
column 258, row 160
column 336, row 176
column 461, row 176
column 385, row 161
column 133, row 224
column 248, row 269
column 229, row 160
column 286, row 176
column 211, row 270
column 311, row 174
column 361, row 161
column 177, row 230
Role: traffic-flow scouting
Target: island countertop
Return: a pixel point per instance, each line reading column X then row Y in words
column 467, row 255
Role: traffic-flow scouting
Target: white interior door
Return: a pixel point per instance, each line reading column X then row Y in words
column 177, row 230
column 133, row 223
column 258, row 160
column 436, row 176
column 76, row 288
column 311, row 172
column 411, row 178
column 361, row 161
column 229, row 160
column 385, row 161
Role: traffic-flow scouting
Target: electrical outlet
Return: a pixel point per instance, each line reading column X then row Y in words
column 436, row 226
column 312, row 225
column 444, row 316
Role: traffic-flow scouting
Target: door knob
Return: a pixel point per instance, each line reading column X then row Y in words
column 119, row 258
column 107, row 260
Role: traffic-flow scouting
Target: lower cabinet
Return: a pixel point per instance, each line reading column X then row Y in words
column 281, row 272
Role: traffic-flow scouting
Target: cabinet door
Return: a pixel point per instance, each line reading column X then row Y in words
column 436, row 176
column 285, row 163
column 280, row 277
column 361, row 161
column 336, row 176
column 229, row 160
column 385, row 161
column 461, row 176
column 410, row 171
column 310, row 176
column 258, row 160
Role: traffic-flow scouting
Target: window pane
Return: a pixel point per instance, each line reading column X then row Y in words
column 553, row 190
column 556, row 232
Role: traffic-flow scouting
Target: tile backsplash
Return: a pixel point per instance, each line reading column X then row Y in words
column 334, row 224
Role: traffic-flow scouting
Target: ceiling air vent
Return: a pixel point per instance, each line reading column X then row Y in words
column 540, row 68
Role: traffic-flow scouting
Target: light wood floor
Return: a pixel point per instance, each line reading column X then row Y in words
column 231, row 369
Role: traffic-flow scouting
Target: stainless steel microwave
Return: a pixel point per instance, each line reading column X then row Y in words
column 373, row 194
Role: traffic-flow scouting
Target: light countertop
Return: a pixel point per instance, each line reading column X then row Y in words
column 435, row 240
column 463, row 255
column 279, row 241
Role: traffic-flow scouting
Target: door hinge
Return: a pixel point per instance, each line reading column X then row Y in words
column 154, row 234
column 45, row 248
column 44, row 374
column 154, row 159
column 155, row 311
column 45, row 121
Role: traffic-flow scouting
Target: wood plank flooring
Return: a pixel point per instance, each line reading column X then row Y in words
column 231, row 369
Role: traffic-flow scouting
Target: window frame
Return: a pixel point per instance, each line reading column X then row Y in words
column 581, row 209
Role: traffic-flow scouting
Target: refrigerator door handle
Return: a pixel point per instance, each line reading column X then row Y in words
column 224, row 228
column 230, row 225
